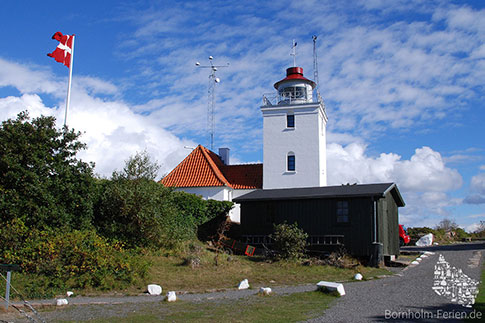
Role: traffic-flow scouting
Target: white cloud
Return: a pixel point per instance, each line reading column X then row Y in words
column 472, row 227
column 477, row 184
column 424, row 180
column 477, row 189
column 29, row 80
column 474, row 216
column 111, row 130
column 425, row 171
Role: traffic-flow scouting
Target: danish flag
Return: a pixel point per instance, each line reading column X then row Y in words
column 62, row 53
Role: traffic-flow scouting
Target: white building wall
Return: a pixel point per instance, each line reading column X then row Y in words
column 306, row 140
column 219, row 193
column 322, row 124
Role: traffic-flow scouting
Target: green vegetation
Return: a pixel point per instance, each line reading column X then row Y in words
column 41, row 181
column 139, row 212
column 289, row 241
column 278, row 308
column 68, row 229
column 54, row 261
column 447, row 231
column 480, row 231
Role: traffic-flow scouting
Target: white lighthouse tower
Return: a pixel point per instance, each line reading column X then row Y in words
column 294, row 135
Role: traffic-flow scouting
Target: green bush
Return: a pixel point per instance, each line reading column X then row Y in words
column 202, row 211
column 135, row 209
column 461, row 234
column 140, row 213
column 289, row 241
column 191, row 205
column 69, row 259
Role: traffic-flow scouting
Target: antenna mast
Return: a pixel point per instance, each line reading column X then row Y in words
column 211, row 98
column 315, row 69
column 293, row 52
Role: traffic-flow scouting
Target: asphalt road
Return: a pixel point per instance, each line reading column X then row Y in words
column 409, row 296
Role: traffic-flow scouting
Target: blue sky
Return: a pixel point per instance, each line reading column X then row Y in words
column 403, row 83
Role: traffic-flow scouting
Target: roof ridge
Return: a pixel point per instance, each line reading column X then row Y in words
column 220, row 176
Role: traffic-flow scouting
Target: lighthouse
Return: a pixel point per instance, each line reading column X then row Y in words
column 294, row 134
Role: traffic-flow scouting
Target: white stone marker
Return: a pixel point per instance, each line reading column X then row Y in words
column 154, row 289
column 265, row 291
column 323, row 285
column 358, row 276
column 243, row 284
column 61, row 302
column 171, row 297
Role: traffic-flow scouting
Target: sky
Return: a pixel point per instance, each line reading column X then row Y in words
column 403, row 84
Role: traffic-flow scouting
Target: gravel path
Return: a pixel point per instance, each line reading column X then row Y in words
column 407, row 296
column 103, row 307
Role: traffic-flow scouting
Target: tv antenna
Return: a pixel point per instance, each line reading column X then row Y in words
column 211, row 97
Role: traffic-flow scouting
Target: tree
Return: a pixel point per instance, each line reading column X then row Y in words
column 138, row 167
column 42, row 182
column 447, row 225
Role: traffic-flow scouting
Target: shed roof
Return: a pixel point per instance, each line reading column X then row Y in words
column 204, row 168
column 356, row 190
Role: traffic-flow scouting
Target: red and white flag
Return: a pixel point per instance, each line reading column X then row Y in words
column 63, row 52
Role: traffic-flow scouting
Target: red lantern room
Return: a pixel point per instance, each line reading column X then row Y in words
column 295, row 88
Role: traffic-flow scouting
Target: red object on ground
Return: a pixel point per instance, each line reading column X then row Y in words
column 404, row 238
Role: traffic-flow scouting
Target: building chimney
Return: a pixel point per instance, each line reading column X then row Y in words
column 224, row 154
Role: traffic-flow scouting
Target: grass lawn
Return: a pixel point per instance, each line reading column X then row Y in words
column 172, row 275
column 284, row 308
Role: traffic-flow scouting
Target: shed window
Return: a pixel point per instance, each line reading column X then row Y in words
column 343, row 212
column 291, row 165
column 290, row 121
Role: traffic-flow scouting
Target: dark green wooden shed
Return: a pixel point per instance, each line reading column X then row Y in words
column 352, row 216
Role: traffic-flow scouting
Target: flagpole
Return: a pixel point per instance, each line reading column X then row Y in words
column 68, row 100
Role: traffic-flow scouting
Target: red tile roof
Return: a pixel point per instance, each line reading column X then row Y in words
column 202, row 168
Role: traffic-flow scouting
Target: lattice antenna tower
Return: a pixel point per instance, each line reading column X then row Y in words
column 211, row 97
column 315, row 69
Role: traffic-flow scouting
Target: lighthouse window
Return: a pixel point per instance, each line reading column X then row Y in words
column 291, row 165
column 293, row 93
column 290, row 121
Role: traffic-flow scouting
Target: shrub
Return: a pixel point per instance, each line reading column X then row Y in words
column 135, row 209
column 202, row 211
column 289, row 241
column 69, row 259
column 191, row 205
column 140, row 213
